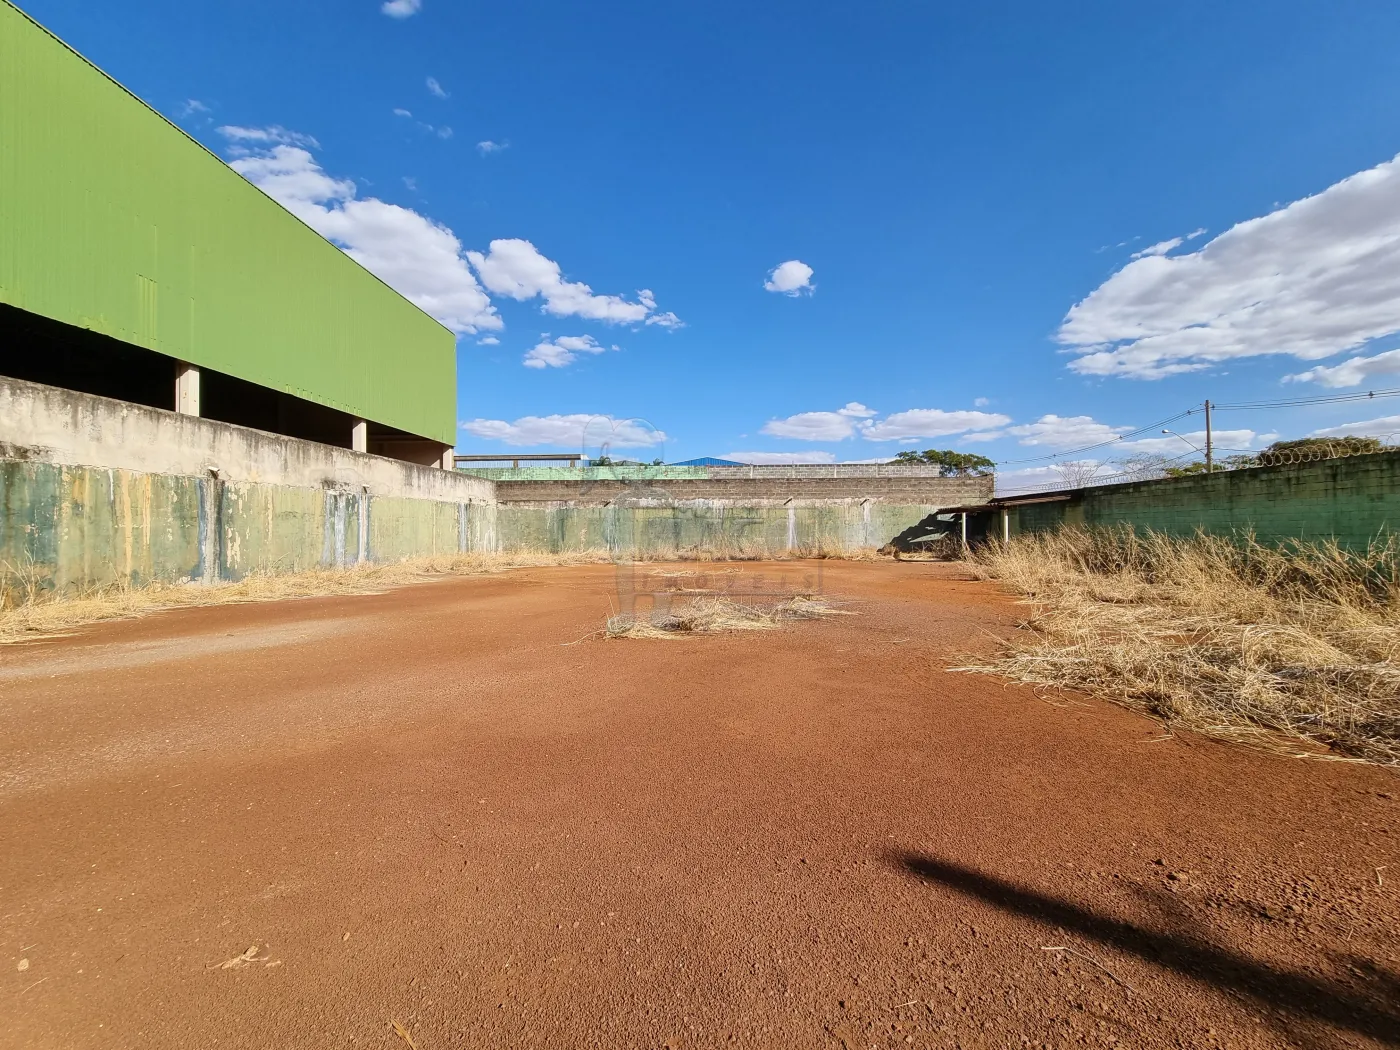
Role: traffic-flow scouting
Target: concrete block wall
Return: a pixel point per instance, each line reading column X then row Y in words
column 662, row 528
column 1352, row 500
column 739, row 487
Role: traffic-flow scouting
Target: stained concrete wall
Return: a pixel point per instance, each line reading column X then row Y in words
column 662, row 527
column 95, row 492
column 1353, row 500
column 906, row 484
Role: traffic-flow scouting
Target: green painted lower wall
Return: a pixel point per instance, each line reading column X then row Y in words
column 1352, row 500
column 70, row 529
column 716, row 527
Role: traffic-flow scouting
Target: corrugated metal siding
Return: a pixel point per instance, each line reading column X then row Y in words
column 111, row 218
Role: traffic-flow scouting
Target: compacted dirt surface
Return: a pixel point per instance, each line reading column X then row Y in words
column 421, row 818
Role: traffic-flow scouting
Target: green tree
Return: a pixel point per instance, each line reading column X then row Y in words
column 950, row 464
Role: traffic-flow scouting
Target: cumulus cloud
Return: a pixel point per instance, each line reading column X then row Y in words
column 487, row 147
column 790, row 278
column 821, row 426
column 562, row 351
column 488, row 340
column 981, row 402
column 276, row 135
column 516, row 268
column 1065, row 431
column 399, row 111
column 401, row 8
column 856, row 419
column 191, row 107
column 435, row 88
column 566, row 431
column 420, row 258
column 1386, row 427
column 771, row 459
column 1351, row 373
column 1310, row 279
column 930, row 422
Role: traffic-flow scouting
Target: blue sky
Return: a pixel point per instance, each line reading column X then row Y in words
column 830, row 232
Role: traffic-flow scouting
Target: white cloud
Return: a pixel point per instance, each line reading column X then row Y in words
column 487, row 147
column 769, row 459
column 821, row 426
column 1170, row 445
column 399, row 111
column 401, row 8
column 435, row 88
column 566, row 431
column 1353, row 372
column 790, row 278
column 1386, row 427
column 443, row 132
column 276, row 135
column 985, row 435
column 489, row 340
column 410, row 183
column 981, row 402
column 1160, row 248
column 420, row 258
column 1310, row 279
column 517, row 269
column 1065, row 431
column 930, row 422
column 190, row 107
column 562, row 351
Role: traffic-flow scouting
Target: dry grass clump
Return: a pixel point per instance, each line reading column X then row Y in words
column 716, row 615
column 27, row 611
column 1224, row 636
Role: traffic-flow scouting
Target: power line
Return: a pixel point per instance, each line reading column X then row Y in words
column 1293, row 402
column 1242, row 406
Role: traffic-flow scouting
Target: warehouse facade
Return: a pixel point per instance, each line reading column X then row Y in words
column 136, row 265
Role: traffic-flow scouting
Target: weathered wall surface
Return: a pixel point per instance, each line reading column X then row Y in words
column 95, row 492
column 658, row 528
column 51, row 425
column 905, row 484
column 1352, row 500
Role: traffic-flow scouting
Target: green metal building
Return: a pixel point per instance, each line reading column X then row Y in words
column 135, row 264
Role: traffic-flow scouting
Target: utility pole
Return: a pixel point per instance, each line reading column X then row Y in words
column 1210, row 456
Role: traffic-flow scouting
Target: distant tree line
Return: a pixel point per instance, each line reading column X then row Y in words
column 950, row 464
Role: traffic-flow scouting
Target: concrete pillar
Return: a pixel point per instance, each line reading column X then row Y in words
column 359, row 436
column 447, row 462
column 1005, row 525
column 186, row 389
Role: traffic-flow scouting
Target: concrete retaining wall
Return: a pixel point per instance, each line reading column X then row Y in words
column 95, row 492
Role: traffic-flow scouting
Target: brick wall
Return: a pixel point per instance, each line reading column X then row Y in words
column 904, row 489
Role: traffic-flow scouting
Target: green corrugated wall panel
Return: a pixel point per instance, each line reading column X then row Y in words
column 112, row 219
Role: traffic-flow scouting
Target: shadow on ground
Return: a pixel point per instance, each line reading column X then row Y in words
column 1300, row 995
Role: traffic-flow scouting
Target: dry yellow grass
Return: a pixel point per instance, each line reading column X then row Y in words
column 714, row 615
column 1224, row 636
column 28, row 611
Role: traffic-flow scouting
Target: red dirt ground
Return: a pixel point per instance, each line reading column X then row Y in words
column 422, row 807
